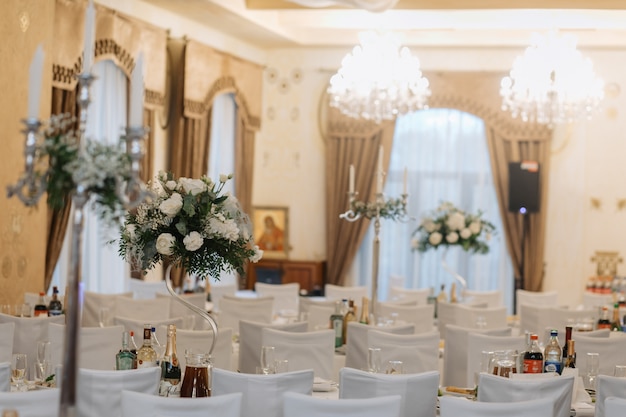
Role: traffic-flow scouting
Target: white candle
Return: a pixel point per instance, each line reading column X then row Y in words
column 90, row 17
column 35, row 74
column 404, row 183
column 379, row 182
column 351, row 178
column 135, row 118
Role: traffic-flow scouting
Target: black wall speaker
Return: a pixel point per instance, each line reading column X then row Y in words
column 524, row 186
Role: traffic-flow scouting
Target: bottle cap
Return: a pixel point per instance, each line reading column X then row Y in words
column 554, row 332
column 534, row 337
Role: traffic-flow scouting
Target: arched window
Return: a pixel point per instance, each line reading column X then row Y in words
column 446, row 154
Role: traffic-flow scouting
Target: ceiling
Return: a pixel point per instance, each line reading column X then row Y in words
column 423, row 23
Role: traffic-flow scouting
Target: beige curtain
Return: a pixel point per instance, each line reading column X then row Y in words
column 354, row 142
column 244, row 160
column 147, row 163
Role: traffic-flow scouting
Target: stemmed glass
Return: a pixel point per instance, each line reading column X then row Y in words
column 43, row 360
column 18, row 369
column 268, row 360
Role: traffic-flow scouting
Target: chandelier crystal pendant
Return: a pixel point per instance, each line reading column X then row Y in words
column 552, row 83
column 379, row 80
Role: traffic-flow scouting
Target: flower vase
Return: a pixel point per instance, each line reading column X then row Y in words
column 202, row 313
column 457, row 277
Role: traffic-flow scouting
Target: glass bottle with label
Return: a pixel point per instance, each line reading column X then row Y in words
column 604, row 322
column 125, row 359
column 568, row 337
column 146, row 355
column 336, row 323
column 55, row 308
column 41, row 309
column 365, row 313
column 570, row 362
column 350, row 316
column 552, row 354
column 616, row 324
column 533, row 357
column 170, row 367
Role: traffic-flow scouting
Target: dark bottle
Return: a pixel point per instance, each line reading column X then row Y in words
column 568, row 337
column 170, row 367
column 570, row 362
column 604, row 322
column 533, row 358
column 55, row 308
column 41, row 309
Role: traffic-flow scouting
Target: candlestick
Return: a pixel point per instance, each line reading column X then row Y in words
column 404, row 183
column 379, row 173
column 90, row 17
column 135, row 118
column 351, row 178
column 35, row 73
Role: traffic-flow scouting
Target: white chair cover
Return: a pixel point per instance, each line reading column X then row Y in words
column 545, row 298
column 29, row 331
column 308, row 350
column 251, row 340
column 248, row 309
column 135, row 404
column 37, row 403
column 218, row 291
column 608, row 386
column 593, row 301
column 262, row 394
column 614, row 407
column 286, row 296
column 5, row 376
column 178, row 309
column 97, row 348
column 496, row 389
column 145, row 290
column 306, row 302
column 319, row 317
column 477, row 343
column 455, row 352
column 491, row 298
column 338, row 292
column 147, row 310
column 420, row 295
column 356, row 341
column 418, row 392
column 136, row 326
column 491, row 317
column 541, row 319
column 418, row 352
column 421, row 316
column 201, row 340
column 460, row 407
column 7, row 335
column 93, row 302
column 305, row 405
column 611, row 351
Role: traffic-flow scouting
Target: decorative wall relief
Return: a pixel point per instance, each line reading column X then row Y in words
column 24, row 20
column 606, row 262
column 611, row 92
column 596, row 203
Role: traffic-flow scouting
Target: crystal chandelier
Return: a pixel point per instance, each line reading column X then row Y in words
column 552, row 83
column 379, row 80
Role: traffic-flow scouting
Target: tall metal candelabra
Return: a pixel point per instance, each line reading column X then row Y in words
column 29, row 190
column 375, row 210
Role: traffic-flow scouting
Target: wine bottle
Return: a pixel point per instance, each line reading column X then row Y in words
column 170, row 367
column 571, row 355
column 336, row 323
column 125, row 359
column 55, row 308
column 365, row 314
column 350, row 316
column 146, row 355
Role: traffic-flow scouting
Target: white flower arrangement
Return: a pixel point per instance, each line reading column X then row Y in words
column 190, row 223
column 448, row 226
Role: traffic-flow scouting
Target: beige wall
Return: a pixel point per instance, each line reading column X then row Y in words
column 23, row 25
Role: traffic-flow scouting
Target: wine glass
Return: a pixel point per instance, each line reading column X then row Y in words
column 373, row 360
column 18, row 369
column 43, row 358
column 104, row 317
column 268, row 360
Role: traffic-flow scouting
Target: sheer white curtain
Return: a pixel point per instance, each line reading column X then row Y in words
column 446, row 154
column 103, row 270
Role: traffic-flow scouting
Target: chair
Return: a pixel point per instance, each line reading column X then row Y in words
column 356, row 341
column 593, row 300
column 338, row 292
column 298, row 405
column 218, row 291
column 251, row 340
column 460, row 407
column 306, row 302
column 155, row 309
column 97, row 348
column 319, row 317
column 145, row 290
column 286, row 296
column 418, row 391
column 178, row 309
column 541, row 319
column 608, row 386
column 420, row 295
column 136, row 326
column 306, row 350
column 249, row 309
column 262, row 394
column 491, row 298
column 455, row 352
column 468, row 316
column 37, row 403
column 7, row 334
column 28, row 331
column 614, row 407
column 5, row 376
column 201, row 340
column 611, row 351
column 418, row 352
column 494, row 389
column 93, row 302
column 478, row 342
column 545, row 299
column 421, row 316
column 135, row 404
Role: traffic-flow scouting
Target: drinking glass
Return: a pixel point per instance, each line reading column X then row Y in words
column 105, row 317
column 44, row 356
column 373, row 360
column 268, row 359
column 591, row 373
column 394, row 367
column 620, row 371
column 18, row 368
column 281, row 366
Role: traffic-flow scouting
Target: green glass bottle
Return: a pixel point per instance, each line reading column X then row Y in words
column 125, row 359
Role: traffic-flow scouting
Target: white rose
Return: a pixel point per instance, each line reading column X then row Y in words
column 193, row 186
column 415, row 243
column 429, row 225
column 466, row 233
column 456, row 221
column 172, row 205
column 171, row 185
column 130, row 230
column 193, row 241
column 224, row 177
column 258, row 254
column 452, row 237
column 475, row 227
column 435, row 238
column 164, row 243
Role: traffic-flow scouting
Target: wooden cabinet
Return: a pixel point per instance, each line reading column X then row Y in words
column 310, row 274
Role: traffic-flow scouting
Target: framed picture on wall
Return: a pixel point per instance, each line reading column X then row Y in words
column 271, row 231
